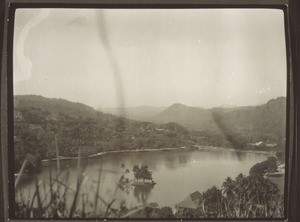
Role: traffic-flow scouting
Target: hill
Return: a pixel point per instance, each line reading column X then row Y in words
column 136, row 113
column 265, row 122
column 193, row 118
column 54, row 106
column 41, row 124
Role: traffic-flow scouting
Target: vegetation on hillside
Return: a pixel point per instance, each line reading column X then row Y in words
column 41, row 133
column 43, row 127
column 241, row 127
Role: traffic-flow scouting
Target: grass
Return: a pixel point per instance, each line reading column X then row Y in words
column 55, row 198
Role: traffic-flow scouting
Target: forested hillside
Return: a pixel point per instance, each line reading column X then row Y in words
column 252, row 123
column 42, row 124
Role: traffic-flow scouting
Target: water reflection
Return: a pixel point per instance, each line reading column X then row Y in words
column 176, row 160
column 183, row 160
column 186, row 171
column 142, row 193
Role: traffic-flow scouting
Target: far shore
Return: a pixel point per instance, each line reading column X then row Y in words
column 195, row 147
column 271, row 152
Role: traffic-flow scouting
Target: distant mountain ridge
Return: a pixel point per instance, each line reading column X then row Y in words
column 54, row 105
column 136, row 113
column 267, row 119
column 231, row 127
column 187, row 116
column 263, row 120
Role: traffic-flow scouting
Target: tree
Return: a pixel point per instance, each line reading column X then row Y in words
column 267, row 166
column 136, row 171
column 142, row 172
column 145, row 173
column 212, row 202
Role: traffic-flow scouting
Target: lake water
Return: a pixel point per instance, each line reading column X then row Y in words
column 177, row 173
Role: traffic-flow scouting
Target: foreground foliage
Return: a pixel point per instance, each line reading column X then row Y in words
column 243, row 197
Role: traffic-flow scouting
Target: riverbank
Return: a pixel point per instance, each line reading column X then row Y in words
column 235, row 150
column 119, row 151
column 195, row 147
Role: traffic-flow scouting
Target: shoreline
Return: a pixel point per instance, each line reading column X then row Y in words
column 271, row 152
column 117, row 151
column 195, row 147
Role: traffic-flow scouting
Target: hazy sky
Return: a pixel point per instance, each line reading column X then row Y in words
column 156, row 57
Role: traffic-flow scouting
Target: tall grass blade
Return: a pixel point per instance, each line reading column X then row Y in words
column 20, row 173
column 97, row 192
column 79, row 179
column 39, row 201
column 57, row 155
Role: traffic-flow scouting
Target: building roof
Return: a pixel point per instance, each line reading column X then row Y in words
column 191, row 201
column 195, row 196
column 187, row 203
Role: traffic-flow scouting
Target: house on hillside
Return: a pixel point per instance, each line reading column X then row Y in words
column 256, row 145
column 262, row 144
column 271, row 145
column 192, row 201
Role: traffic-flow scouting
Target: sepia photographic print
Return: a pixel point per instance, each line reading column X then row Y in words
column 149, row 113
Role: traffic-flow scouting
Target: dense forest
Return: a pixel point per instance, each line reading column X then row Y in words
column 42, row 124
column 43, row 127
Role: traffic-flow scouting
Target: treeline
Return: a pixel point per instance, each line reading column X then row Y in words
column 38, row 132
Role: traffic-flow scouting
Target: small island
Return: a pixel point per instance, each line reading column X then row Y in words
column 142, row 175
column 142, row 178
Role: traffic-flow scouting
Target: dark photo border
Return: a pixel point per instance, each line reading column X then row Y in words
column 292, row 175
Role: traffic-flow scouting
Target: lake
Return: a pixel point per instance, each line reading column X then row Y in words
column 177, row 173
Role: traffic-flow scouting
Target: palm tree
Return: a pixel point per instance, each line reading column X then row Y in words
column 228, row 192
column 228, row 187
column 142, row 172
column 136, row 171
column 145, row 173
